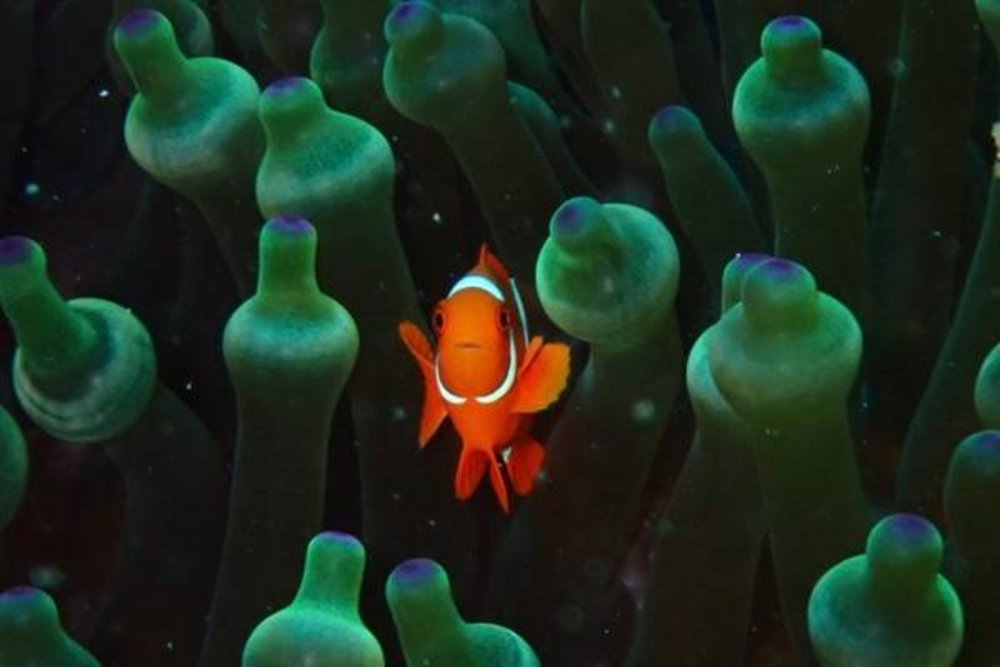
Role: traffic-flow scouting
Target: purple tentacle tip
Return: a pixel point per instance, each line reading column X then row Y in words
column 139, row 20
column 911, row 528
column 780, row 268
column 748, row 259
column 335, row 537
column 790, row 22
column 18, row 592
column 988, row 442
column 571, row 217
column 415, row 571
column 291, row 224
column 674, row 116
column 406, row 11
column 14, row 249
column 287, row 86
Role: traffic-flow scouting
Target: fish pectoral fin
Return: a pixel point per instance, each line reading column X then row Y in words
column 416, row 342
column 524, row 464
column 543, row 376
column 498, row 484
column 472, row 464
column 434, row 411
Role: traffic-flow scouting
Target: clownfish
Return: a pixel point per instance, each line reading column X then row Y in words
column 489, row 377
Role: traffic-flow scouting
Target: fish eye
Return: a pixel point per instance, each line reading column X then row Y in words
column 438, row 321
column 504, row 320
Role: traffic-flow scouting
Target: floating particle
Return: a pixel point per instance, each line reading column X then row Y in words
column 47, row 577
column 643, row 410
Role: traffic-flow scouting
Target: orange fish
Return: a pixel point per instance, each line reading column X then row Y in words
column 488, row 376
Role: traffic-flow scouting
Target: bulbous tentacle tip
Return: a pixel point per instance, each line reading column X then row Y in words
column 735, row 273
column 289, row 85
column 971, row 494
column 672, row 124
column 905, row 543
column 142, row 21
column 790, row 39
column 417, row 573
column 286, row 102
column 575, row 223
column 987, row 390
column 15, row 250
column 343, row 542
column 26, row 608
column 778, row 293
column 411, row 22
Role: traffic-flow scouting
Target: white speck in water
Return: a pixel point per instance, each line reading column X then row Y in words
column 170, row 645
column 189, row 386
column 616, row 93
column 103, row 93
column 643, row 410
column 398, row 413
column 436, row 217
column 608, row 285
column 608, row 127
column 396, row 496
column 432, row 523
column 32, row 189
column 772, row 432
column 47, row 577
column 938, row 234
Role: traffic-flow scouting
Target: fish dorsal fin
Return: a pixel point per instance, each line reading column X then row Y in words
column 493, row 265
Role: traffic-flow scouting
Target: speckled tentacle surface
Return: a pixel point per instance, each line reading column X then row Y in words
column 711, row 204
column 971, row 508
column 699, row 594
column 448, row 72
column 84, row 371
column 923, row 150
column 338, row 171
column 608, row 274
column 946, row 411
column 785, row 358
column 193, row 126
column 802, row 113
column 987, row 390
column 194, row 32
column 431, row 630
column 322, row 627
column 31, row 634
column 894, row 587
column 285, row 396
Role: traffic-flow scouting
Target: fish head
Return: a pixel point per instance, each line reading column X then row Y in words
column 474, row 329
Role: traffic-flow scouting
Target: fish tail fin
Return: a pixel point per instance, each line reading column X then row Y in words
column 498, row 484
column 524, row 464
column 434, row 411
column 472, row 464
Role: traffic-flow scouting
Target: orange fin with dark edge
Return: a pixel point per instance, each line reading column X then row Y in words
column 492, row 263
column 434, row 411
column 543, row 376
column 498, row 484
column 471, row 468
column 525, row 461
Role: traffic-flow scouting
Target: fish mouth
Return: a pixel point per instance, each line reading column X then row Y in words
column 468, row 346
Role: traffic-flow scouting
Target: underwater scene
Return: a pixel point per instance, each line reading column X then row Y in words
column 499, row 333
